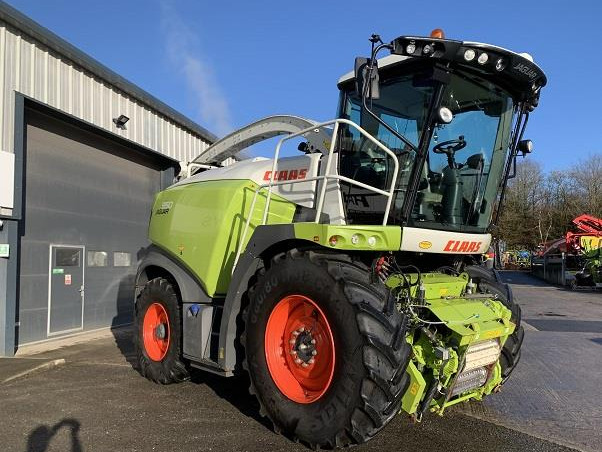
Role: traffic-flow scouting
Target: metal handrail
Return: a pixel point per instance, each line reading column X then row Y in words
column 388, row 193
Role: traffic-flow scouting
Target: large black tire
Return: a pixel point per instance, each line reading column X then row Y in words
column 487, row 282
column 170, row 368
column 482, row 273
column 369, row 377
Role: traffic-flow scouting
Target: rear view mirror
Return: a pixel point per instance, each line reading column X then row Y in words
column 362, row 68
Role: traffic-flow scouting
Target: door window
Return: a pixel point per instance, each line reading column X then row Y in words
column 67, row 257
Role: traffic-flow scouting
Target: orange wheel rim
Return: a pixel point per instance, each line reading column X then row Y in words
column 299, row 349
column 156, row 332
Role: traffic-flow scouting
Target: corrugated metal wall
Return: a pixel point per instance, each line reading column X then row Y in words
column 31, row 69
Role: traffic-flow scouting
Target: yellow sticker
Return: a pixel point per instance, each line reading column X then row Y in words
column 425, row 245
column 492, row 333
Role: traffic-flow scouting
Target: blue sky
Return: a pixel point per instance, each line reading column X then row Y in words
column 227, row 63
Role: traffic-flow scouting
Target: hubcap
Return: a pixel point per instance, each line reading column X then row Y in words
column 161, row 331
column 299, row 349
column 155, row 332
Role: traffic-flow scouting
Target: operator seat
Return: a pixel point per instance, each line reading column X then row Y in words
column 459, row 186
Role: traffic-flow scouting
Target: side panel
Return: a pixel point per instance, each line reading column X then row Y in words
column 201, row 225
column 433, row 241
column 411, row 398
column 350, row 237
column 259, row 170
column 190, row 289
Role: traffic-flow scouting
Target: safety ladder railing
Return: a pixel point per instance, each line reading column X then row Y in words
column 389, row 193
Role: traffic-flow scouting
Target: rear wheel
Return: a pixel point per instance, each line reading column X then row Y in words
column 325, row 349
column 158, row 333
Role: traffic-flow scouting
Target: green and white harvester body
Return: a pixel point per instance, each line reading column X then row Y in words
column 345, row 281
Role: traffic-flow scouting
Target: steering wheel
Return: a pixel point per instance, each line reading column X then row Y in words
column 450, row 147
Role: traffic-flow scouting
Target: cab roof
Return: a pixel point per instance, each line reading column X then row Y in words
column 515, row 72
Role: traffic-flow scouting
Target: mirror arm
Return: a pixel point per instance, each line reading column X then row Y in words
column 368, row 87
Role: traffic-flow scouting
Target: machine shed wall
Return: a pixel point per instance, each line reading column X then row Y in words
column 31, row 68
column 76, row 189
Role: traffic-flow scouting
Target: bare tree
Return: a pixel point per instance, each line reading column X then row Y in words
column 540, row 207
column 586, row 177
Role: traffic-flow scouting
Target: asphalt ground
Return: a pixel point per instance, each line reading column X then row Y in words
column 554, row 392
column 96, row 401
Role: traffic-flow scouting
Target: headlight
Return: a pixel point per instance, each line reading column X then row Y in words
column 469, row 54
column 445, row 115
column 483, row 58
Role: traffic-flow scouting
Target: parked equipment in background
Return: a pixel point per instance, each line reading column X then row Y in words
column 489, row 258
column 346, row 280
column 587, row 244
column 516, row 259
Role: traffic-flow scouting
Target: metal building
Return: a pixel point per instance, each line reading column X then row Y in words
column 82, row 153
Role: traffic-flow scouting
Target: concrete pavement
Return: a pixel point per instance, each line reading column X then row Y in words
column 97, row 401
column 555, row 391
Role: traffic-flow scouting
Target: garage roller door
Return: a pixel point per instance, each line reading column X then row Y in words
column 87, row 193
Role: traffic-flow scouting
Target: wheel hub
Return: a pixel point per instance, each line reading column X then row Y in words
column 300, row 349
column 303, row 347
column 161, row 331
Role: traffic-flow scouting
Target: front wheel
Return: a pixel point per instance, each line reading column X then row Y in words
column 324, row 348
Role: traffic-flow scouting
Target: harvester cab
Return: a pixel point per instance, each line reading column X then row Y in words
column 450, row 111
column 368, row 240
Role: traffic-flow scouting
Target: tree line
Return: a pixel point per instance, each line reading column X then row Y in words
column 539, row 206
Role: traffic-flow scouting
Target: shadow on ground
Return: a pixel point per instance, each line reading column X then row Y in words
column 40, row 438
column 124, row 342
column 235, row 390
